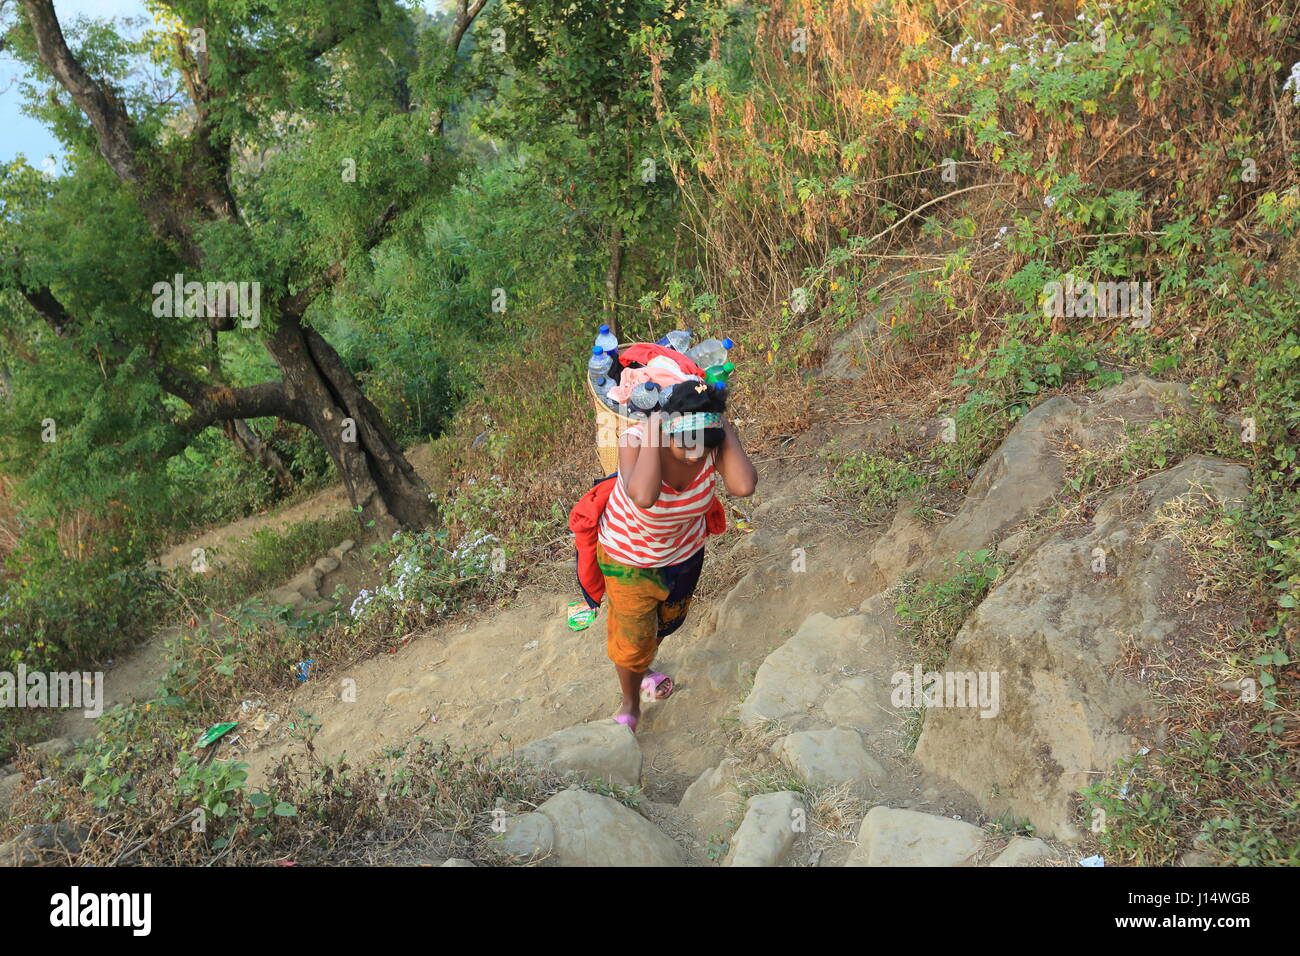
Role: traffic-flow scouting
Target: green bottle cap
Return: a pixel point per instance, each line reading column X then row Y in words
column 719, row 373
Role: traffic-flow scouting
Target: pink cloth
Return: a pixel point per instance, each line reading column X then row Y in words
column 643, row 352
column 632, row 377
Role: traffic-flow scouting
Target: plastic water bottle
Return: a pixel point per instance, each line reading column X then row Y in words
column 603, row 386
column 664, row 394
column 599, row 362
column 676, row 339
column 710, row 352
column 645, row 396
column 719, row 373
column 605, row 341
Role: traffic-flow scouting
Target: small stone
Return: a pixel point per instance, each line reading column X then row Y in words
column 1013, row 543
column 286, row 597
column 399, row 697
column 1022, row 851
column 712, row 799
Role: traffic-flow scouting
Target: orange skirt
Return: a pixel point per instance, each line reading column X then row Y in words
column 645, row 606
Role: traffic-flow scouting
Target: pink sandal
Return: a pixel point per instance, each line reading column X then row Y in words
column 656, row 686
column 627, row 720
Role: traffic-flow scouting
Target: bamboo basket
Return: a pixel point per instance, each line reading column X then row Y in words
column 609, row 425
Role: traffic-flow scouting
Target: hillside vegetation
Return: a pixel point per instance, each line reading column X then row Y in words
column 921, row 212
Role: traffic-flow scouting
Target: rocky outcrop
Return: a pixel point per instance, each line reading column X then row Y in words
column 1054, row 632
column 829, row 758
column 1025, row 473
column 604, row 750
column 834, row 672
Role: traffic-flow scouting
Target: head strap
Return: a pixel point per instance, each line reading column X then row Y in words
column 690, row 421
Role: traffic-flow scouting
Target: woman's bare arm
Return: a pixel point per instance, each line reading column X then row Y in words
column 738, row 472
column 638, row 465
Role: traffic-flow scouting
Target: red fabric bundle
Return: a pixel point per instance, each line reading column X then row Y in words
column 643, row 352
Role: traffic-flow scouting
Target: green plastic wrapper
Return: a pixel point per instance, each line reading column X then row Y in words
column 580, row 616
column 216, row 732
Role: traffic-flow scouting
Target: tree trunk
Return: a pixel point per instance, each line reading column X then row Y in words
column 248, row 442
column 381, row 483
column 614, row 278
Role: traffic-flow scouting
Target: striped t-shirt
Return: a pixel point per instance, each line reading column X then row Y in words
column 668, row 532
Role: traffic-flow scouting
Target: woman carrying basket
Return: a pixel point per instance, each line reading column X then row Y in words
column 650, row 540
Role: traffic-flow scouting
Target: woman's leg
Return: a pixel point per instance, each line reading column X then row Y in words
column 635, row 595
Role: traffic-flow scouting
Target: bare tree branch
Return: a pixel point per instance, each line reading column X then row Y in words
column 465, row 14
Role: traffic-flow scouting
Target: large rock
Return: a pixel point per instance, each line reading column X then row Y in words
column 833, row 672
column 603, row 749
column 8, row 790
column 49, row 843
column 1025, row 473
column 890, row 837
column 1054, row 632
column 1024, row 851
column 828, row 758
column 591, row 830
column 773, row 821
column 527, row 834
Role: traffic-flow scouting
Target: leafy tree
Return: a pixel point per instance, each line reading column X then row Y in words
column 261, row 149
column 572, row 84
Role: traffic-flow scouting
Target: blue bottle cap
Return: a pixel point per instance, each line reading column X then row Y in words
column 604, row 329
column 727, row 343
column 596, row 350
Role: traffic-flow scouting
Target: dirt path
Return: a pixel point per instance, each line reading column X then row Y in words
column 135, row 674
column 518, row 674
